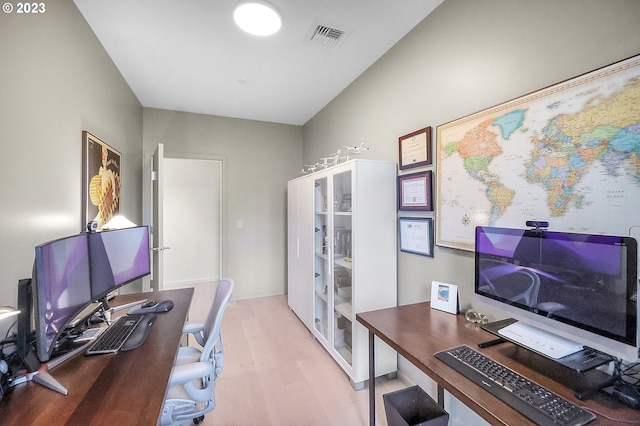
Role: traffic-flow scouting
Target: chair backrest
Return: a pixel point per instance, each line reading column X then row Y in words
column 211, row 331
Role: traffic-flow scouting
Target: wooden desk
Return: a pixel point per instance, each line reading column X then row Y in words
column 417, row 332
column 126, row 388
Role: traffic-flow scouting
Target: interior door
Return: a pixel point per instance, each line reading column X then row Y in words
column 192, row 220
column 186, row 204
column 157, row 239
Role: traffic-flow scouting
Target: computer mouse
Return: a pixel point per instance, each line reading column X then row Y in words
column 163, row 306
column 628, row 394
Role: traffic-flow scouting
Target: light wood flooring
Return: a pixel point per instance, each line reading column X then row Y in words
column 275, row 373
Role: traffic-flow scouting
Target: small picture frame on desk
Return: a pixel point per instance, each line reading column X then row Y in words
column 444, row 297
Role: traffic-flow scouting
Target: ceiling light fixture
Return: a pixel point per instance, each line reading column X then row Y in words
column 257, row 17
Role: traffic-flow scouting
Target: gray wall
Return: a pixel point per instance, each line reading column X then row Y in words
column 464, row 57
column 57, row 80
column 258, row 158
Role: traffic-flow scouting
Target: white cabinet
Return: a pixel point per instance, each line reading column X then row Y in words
column 342, row 258
column 300, row 248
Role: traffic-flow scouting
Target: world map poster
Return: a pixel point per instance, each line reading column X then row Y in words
column 568, row 154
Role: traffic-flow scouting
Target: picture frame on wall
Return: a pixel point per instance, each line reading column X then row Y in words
column 415, row 149
column 416, row 235
column 415, row 191
column 101, row 180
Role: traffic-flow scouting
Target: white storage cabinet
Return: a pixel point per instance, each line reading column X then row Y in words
column 342, row 258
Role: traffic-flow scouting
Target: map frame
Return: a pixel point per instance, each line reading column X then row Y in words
column 463, row 237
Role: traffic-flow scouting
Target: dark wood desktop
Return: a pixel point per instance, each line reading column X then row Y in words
column 417, row 332
column 126, row 388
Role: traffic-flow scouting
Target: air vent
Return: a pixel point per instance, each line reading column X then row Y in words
column 327, row 36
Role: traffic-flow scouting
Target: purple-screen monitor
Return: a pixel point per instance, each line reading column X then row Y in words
column 583, row 287
column 61, row 288
column 118, row 257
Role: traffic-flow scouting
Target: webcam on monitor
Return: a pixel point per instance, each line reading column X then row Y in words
column 92, row 226
column 537, row 224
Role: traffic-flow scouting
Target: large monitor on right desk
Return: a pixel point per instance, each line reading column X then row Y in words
column 581, row 287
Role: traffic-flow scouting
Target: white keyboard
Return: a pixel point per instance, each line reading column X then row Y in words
column 539, row 340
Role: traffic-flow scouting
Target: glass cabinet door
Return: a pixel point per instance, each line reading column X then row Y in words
column 342, row 265
column 321, row 258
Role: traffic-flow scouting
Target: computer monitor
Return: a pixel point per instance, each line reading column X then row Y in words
column 61, row 288
column 71, row 272
column 582, row 287
column 117, row 258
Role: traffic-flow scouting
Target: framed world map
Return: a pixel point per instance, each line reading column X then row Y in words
column 568, row 154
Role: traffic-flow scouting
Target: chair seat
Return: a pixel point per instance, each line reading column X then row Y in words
column 188, row 354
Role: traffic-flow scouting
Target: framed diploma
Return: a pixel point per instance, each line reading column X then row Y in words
column 416, row 235
column 414, row 191
column 415, row 149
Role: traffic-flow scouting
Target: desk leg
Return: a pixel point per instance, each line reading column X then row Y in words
column 440, row 396
column 372, row 381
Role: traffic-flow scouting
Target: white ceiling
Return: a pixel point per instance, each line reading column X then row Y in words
column 188, row 55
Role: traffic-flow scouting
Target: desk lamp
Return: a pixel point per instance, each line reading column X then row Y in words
column 7, row 311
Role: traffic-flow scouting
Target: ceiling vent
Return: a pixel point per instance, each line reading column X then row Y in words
column 326, row 36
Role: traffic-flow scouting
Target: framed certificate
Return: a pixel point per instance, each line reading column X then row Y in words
column 414, row 191
column 415, row 149
column 416, row 235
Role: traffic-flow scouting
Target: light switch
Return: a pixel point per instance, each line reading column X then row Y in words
column 239, row 224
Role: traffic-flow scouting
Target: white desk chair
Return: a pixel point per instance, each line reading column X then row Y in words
column 193, row 379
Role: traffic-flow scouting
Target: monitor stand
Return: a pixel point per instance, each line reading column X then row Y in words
column 42, row 375
column 565, row 352
column 540, row 341
column 576, row 370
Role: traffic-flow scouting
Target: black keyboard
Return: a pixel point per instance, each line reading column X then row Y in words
column 530, row 399
column 112, row 339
